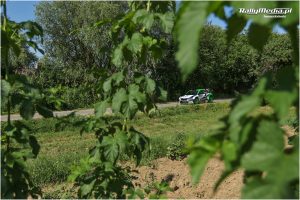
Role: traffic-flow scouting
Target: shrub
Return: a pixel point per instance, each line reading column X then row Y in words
column 176, row 151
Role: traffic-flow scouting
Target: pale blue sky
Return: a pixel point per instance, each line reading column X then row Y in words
column 24, row 10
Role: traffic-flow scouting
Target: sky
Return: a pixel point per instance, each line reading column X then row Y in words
column 21, row 10
column 24, row 10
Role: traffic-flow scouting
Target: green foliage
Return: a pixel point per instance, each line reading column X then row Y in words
column 15, row 179
column 219, row 67
column 20, row 64
column 63, row 147
column 189, row 18
column 176, row 151
column 276, row 54
column 262, row 31
column 154, row 190
column 18, row 142
column 242, row 140
column 251, row 141
column 77, row 48
column 126, row 92
column 229, row 69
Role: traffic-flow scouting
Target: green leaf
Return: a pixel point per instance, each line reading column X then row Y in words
column 136, row 43
column 261, row 86
column 217, row 7
column 134, row 92
column 118, row 77
column 150, row 88
column 201, row 152
column 78, row 171
column 86, row 189
column 149, row 41
column 166, row 21
column 135, row 99
column 162, row 94
column 292, row 18
column 100, row 108
column 110, row 148
column 258, row 35
column 235, row 25
column 275, row 183
column 5, row 89
column 107, row 85
column 32, row 27
column 141, row 143
column 246, row 105
column 27, row 109
column 118, row 99
column 287, row 79
column 122, row 140
column 45, row 112
column 229, row 152
column 191, row 19
column 128, row 103
column 197, row 161
column 281, row 101
column 268, row 148
column 259, row 189
column 114, row 145
column 143, row 17
column 118, row 56
column 34, row 145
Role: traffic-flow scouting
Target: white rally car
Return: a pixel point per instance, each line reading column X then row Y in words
column 196, row 96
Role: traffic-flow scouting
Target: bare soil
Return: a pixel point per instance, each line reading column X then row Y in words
column 178, row 175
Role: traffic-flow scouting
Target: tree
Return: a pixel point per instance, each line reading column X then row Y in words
column 21, row 63
column 71, row 37
column 212, row 55
column 277, row 53
column 76, row 47
column 224, row 68
column 240, row 66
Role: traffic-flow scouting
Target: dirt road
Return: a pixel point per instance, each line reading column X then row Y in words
column 87, row 112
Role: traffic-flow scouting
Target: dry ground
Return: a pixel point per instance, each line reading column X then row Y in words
column 177, row 172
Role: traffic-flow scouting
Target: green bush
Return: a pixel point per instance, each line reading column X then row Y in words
column 176, row 151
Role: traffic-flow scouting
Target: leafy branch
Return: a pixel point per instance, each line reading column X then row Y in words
column 127, row 92
column 18, row 142
column 253, row 142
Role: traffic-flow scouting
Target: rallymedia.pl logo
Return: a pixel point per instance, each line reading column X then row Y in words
column 274, row 13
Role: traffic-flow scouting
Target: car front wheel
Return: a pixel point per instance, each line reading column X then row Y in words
column 196, row 101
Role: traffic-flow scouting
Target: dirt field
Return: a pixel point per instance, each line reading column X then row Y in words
column 177, row 172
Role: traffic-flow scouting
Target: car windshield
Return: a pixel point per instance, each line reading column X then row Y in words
column 191, row 92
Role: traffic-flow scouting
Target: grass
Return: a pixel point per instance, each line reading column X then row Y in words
column 63, row 146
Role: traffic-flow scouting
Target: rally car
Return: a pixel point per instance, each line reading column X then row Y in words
column 196, row 96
